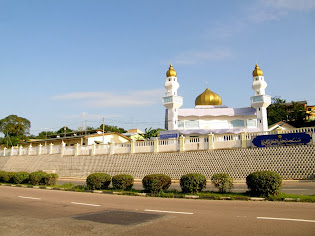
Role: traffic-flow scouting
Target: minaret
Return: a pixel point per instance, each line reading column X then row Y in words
column 171, row 101
column 260, row 101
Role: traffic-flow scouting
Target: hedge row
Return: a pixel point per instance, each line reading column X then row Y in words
column 34, row 178
column 261, row 183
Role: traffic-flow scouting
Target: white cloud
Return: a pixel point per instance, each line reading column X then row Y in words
column 87, row 116
column 299, row 5
column 223, row 31
column 118, row 99
column 194, row 57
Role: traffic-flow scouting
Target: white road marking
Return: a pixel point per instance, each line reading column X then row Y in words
column 172, row 212
column 271, row 218
column 85, row 204
column 34, row 198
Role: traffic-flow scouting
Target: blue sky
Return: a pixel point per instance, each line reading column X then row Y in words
column 72, row 62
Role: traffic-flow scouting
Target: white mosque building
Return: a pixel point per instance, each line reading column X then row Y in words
column 209, row 115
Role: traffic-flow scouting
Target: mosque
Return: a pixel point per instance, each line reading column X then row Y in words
column 209, row 115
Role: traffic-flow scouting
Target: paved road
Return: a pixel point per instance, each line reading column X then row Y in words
column 288, row 186
column 48, row 212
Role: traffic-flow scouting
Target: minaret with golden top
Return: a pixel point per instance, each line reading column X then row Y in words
column 260, row 100
column 171, row 101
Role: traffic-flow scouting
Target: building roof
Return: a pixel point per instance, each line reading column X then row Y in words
column 217, row 112
column 75, row 137
column 280, row 124
column 216, row 131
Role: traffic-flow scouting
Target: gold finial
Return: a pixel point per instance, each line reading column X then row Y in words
column 257, row 71
column 171, row 72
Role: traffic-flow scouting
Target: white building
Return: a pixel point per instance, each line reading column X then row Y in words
column 209, row 115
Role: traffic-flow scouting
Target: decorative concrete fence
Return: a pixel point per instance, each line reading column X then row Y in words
column 206, row 142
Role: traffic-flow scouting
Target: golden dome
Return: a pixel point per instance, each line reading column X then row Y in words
column 257, row 71
column 208, row 98
column 171, row 72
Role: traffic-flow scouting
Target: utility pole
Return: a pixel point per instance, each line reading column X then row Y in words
column 85, row 126
column 103, row 129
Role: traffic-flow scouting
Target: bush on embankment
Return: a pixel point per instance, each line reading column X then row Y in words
column 6, row 177
column 263, row 183
column 51, row 179
column 124, row 182
column 37, row 178
column 223, row 182
column 97, row 181
column 21, row 178
column 156, row 183
column 193, row 183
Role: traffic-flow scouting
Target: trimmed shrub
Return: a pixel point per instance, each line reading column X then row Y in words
column 193, row 183
column 21, row 178
column 156, row 183
column 263, row 183
column 6, row 177
column 51, row 179
column 37, row 178
column 97, row 181
column 122, row 182
column 3, row 177
column 223, row 182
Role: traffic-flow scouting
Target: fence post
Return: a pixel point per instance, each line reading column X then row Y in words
column 156, row 145
column 93, row 149
column 12, row 151
column 244, row 141
column 181, row 143
column 50, row 148
column 313, row 138
column 62, row 148
column 112, row 147
column 4, row 151
column 29, row 149
column 39, row 149
column 211, row 141
column 76, row 152
column 132, row 146
column 20, row 150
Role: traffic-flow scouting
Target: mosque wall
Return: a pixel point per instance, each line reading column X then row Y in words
column 291, row 162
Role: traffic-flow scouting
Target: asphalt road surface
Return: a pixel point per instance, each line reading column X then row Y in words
column 25, row 211
column 288, row 186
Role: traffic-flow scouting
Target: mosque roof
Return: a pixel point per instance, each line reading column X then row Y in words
column 216, row 131
column 199, row 112
column 208, row 98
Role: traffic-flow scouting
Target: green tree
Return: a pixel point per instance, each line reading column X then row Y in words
column 14, row 128
column 151, row 133
column 63, row 130
column 44, row 134
column 108, row 128
column 297, row 115
column 276, row 111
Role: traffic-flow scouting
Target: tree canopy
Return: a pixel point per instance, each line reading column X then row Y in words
column 276, row 111
column 279, row 110
column 108, row 128
column 151, row 133
column 14, row 128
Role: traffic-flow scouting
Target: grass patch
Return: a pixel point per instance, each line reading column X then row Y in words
column 295, row 197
